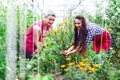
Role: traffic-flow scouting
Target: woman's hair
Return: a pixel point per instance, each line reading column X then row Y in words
column 50, row 13
column 83, row 34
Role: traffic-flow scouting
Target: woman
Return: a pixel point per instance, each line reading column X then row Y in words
column 36, row 32
column 84, row 33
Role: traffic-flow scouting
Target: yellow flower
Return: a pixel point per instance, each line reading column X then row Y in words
column 77, row 65
column 71, row 64
column 23, row 30
column 95, row 65
column 55, row 31
column 82, row 64
column 91, row 69
column 85, row 59
column 63, row 66
column 47, row 34
column 17, row 77
column 65, row 21
column 60, row 24
column 73, row 27
column 65, row 31
column 68, row 58
column 66, row 69
column 81, row 68
column 59, row 38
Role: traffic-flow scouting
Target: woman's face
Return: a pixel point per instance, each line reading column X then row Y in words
column 50, row 20
column 78, row 23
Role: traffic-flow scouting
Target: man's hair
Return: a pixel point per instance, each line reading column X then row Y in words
column 50, row 13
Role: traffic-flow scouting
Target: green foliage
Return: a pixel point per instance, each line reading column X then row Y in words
column 48, row 59
column 113, row 21
column 2, row 66
column 74, row 74
column 2, row 41
column 42, row 77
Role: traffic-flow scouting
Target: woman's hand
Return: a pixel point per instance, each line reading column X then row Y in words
column 65, row 52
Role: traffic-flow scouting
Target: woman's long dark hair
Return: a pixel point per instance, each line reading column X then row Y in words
column 83, row 34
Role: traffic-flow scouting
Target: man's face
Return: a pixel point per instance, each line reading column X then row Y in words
column 50, row 20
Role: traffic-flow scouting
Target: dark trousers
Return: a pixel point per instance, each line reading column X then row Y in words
column 29, row 55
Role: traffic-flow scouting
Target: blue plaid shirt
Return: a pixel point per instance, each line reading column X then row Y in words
column 93, row 30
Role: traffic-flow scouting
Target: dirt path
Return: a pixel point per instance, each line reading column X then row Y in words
column 59, row 77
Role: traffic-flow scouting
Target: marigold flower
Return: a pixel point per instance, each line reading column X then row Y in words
column 65, row 21
column 71, row 64
column 82, row 64
column 68, row 58
column 60, row 24
column 66, row 69
column 55, row 31
column 73, row 27
column 77, row 65
column 81, row 68
column 85, row 59
column 63, row 66
column 91, row 69
column 47, row 34
column 23, row 30
column 65, row 31
column 95, row 65
column 59, row 38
